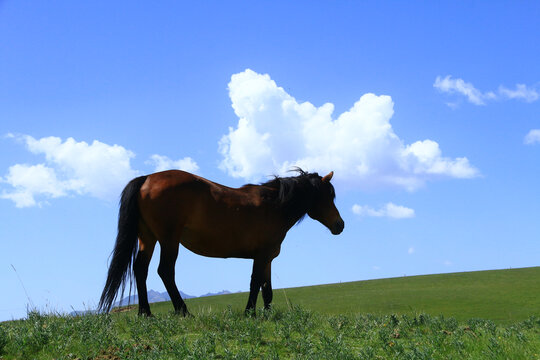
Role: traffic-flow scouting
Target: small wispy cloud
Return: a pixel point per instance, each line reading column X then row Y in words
column 532, row 137
column 451, row 85
column 522, row 92
column 411, row 251
column 390, row 210
column 447, row 263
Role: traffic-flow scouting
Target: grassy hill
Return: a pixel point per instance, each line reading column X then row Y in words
column 503, row 296
column 396, row 318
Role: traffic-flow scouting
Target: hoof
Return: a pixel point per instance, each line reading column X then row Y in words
column 183, row 312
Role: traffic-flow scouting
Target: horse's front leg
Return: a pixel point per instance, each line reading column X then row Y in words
column 267, row 286
column 257, row 279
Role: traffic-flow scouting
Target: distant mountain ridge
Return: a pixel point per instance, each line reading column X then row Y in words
column 153, row 297
column 156, row 296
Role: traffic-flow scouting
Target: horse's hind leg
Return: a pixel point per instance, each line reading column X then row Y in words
column 147, row 242
column 169, row 253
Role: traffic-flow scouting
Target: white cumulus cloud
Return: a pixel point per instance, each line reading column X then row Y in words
column 275, row 132
column 427, row 159
column 162, row 163
column 70, row 167
column 31, row 180
column 532, row 137
column 76, row 167
column 390, row 210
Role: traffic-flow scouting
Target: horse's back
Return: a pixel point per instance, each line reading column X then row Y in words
column 158, row 183
column 176, row 185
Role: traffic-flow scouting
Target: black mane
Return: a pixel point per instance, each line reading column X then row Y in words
column 294, row 194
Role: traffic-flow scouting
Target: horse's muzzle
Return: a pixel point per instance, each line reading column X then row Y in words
column 338, row 227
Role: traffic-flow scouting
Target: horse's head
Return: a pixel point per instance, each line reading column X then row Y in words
column 324, row 210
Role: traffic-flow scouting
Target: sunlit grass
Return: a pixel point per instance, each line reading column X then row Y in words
column 477, row 315
column 503, row 296
column 275, row 334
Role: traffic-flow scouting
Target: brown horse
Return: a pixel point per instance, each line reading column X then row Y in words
column 175, row 207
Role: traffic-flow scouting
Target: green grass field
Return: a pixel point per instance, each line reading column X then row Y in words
column 477, row 315
column 503, row 296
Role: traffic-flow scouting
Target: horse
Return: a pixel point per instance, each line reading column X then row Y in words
column 175, row 207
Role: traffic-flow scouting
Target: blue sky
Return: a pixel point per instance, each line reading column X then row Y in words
column 433, row 133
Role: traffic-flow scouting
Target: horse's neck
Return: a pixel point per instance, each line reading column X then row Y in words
column 295, row 212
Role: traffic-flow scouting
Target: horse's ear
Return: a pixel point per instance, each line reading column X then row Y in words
column 328, row 177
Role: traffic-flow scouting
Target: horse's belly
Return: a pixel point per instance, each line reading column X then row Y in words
column 213, row 245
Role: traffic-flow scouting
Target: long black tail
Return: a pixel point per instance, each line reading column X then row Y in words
column 125, row 249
